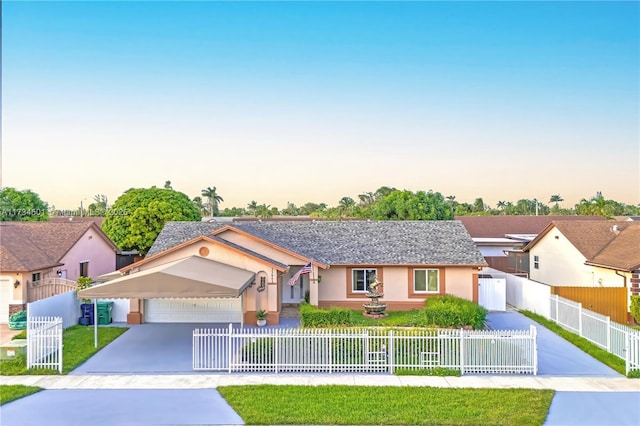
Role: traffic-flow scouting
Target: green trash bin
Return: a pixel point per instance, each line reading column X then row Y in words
column 104, row 313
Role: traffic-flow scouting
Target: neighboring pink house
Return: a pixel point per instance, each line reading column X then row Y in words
column 216, row 272
column 39, row 259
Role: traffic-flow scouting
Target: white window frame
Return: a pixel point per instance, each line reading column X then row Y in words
column 426, row 271
column 354, row 281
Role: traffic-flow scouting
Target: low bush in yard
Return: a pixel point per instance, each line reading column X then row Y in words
column 454, row 312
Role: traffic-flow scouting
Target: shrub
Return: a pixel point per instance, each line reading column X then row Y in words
column 310, row 316
column 635, row 308
column 452, row 311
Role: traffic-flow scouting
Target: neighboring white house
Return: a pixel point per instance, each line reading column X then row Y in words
column 587, row 254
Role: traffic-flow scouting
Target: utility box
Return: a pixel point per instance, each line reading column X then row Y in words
column 13, row 348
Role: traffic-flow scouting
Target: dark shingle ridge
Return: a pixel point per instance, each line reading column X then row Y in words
column 350, row 242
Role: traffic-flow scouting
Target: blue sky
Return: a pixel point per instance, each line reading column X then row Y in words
column 312, row 101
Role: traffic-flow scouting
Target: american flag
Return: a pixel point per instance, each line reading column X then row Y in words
column 306, row 269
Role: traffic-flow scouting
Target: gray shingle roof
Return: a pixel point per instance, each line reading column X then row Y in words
column 350, row 242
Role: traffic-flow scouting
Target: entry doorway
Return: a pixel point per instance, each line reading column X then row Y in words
column 294, row 294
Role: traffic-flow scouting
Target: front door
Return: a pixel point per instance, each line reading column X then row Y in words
column 295, row 293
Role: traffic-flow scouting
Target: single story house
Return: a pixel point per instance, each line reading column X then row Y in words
column 583, row 259
column 221, row 272
column 501, row 238
column 41, row 259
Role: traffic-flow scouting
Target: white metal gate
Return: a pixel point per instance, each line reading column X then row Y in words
column 492, row 293
column 44, row 342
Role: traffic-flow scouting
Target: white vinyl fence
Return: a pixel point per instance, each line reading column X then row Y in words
column 64, row 305
column 44, row 342
column 364, row 350
column 618, row 339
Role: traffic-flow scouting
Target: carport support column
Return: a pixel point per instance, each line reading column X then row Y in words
column 135, row 311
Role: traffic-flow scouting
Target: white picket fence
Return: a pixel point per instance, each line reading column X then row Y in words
column 364, row 350
column 44, row 342
column 618, row 339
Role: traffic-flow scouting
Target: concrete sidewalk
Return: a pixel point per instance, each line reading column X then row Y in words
column 214, row 380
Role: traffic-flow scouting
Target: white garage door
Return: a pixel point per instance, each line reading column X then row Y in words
column 6, row 296
column 222, row 310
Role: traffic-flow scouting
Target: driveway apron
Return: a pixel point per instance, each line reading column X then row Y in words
column 556, row 356
column 117, row 407
column 594, row 408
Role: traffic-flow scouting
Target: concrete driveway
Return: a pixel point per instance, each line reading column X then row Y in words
column 556, row 356
column 154, row 349
column 147, row 349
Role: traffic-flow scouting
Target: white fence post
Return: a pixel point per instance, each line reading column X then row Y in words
column 390, row 352
column 627, row 353
column 276, row 350
column 580, row 319
column 461, row 334
column 229, row 340
column 534, row 334
column 608, row 324
column 557, row 319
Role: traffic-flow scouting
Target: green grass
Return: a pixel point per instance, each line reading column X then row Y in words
column 436, row 371
column 387, row 405
column 78, row 346
column 10, row 393
column 607, row 358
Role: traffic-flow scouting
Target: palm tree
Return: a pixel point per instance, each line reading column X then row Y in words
column 214, row 199
column 346, row 205
column 252, row 208
column 264, row 211
column 202, row 207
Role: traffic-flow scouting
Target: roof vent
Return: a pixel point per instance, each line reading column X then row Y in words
column 614, row 228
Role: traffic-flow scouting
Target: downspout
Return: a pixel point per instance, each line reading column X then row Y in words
column 624, row 277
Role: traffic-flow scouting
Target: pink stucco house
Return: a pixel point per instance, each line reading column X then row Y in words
column 40, row 259
column 217, row 272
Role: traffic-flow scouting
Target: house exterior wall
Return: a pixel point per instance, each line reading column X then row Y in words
column 559, row 262
column 93, row 248
column 335, row 287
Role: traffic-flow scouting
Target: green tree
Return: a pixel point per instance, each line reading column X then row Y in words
column 264, row 211
column 405, row 205
column 24, row 206
column 200, row 205
column 214, row 199
column 252, row 208
column 346, row 205
column 138, row 216
column 597, row 206
column 99, row 206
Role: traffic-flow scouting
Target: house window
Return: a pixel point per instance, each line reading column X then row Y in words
column 35, row 277
column 426, row 281
column 536, row 262
column 361, row 278
column 84, row 269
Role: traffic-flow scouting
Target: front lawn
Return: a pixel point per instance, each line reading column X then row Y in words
column 387, row 405
column 10, row 393
column 78, row 346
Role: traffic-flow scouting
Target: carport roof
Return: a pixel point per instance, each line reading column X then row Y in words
column 189, row 277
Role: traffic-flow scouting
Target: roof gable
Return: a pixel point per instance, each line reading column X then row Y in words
column 614, row 244
column 37, row 245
